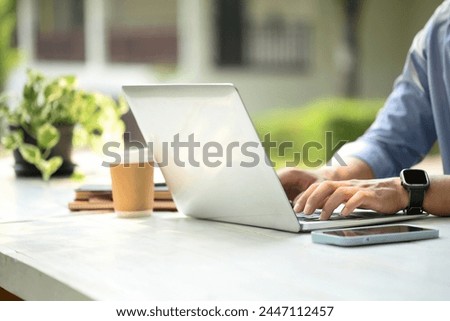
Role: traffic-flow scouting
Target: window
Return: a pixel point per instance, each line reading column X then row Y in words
column 60, row 32
column 142, row 31
column 252, row 33
column 276, row 43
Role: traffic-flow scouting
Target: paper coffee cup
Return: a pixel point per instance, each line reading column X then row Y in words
column 132, row 184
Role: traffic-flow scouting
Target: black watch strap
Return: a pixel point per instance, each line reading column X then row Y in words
column 416, row 182
column 416, row 197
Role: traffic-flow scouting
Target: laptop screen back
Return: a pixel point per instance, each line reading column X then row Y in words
column 210, row 154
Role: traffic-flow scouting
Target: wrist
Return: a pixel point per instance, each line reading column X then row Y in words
column 354, row 169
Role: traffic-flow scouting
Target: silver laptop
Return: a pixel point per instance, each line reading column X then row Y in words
column 214, row 163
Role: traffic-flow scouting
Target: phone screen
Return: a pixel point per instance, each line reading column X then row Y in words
column 374, row 230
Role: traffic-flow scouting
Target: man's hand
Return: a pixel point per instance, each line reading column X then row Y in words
column 381, row 195
column 296, row 181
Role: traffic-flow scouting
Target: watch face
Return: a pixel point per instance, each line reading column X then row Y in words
column 415, row 177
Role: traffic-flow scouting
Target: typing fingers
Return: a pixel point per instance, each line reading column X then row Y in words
column 314, row 197
column 340, row 196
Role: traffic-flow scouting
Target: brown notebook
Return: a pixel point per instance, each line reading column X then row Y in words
column 99, row 197
column 88, row 191
column 108, row 206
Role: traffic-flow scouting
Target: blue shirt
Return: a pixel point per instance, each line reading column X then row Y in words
column 417, row 112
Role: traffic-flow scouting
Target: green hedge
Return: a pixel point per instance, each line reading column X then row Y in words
column 315, row 130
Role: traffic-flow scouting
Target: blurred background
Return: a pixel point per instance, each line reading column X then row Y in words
column 302, row 66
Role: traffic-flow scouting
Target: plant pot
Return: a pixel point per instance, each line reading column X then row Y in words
column 63, row 148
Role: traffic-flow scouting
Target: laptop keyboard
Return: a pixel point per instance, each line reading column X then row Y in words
column 360, row 215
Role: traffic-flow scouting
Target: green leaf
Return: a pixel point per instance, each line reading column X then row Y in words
column 47, row 136
column 13, row 140
column 49, row 167
column 30, row 153
column 122, row 106
column 69, row 81
column 52, row 92
column 77, row 176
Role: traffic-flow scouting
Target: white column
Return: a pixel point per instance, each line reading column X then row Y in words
column 26, row 24
column 95, row 32
column 195, row 51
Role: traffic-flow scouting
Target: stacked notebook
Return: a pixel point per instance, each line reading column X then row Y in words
column 99, row 197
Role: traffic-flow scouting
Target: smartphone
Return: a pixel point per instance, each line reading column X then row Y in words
column 373, row 235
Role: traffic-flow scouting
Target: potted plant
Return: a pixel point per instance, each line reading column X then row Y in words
column 51, row 115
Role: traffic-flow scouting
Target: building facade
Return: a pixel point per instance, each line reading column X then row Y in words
column 278, row 53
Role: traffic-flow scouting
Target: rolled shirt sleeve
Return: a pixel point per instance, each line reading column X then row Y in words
column 417, row 111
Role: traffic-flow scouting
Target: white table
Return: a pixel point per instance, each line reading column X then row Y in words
column 48, row 253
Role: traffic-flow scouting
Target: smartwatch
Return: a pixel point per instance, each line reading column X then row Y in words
column 416, row 182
